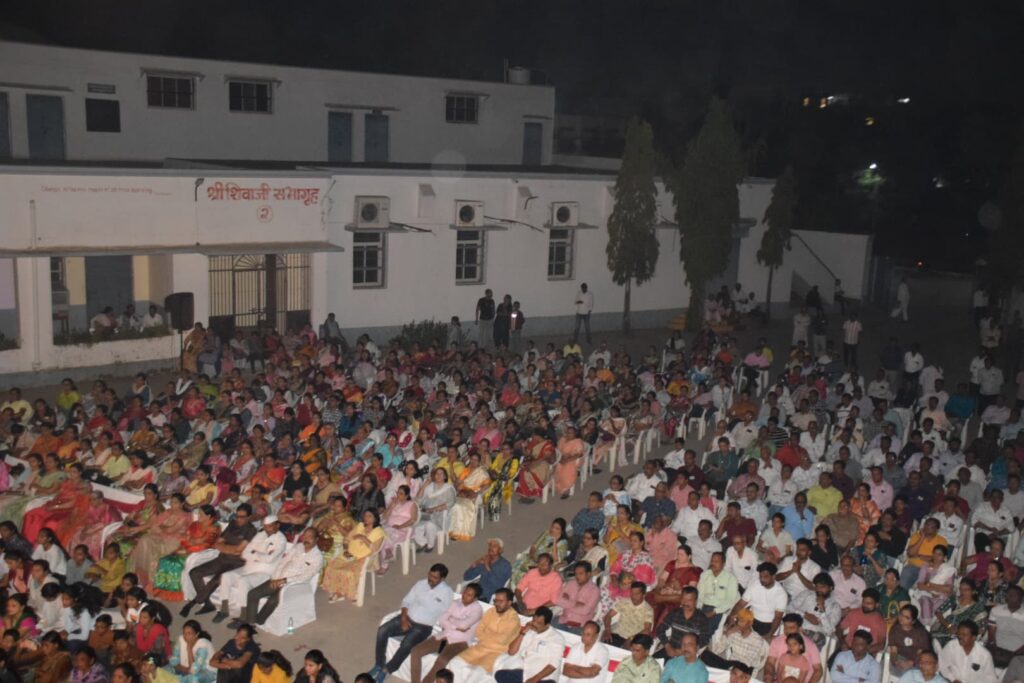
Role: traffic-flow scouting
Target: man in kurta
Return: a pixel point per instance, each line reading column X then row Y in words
column 497, row 629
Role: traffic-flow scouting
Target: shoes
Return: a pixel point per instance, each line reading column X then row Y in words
column 374, row 672
column 597, row 470
column 187, row 608
column 235, row 624
column 335, row 599
column 207, row 608
column 565, row 496
column 221, row 616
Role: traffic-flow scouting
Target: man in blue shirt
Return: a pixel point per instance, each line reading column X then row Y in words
column 686, row 667
column 658, row 504
column 799, row 519
column 492, row 571
column 590, row 517
column 927, row 670
column 422, row 606
column 856, row 665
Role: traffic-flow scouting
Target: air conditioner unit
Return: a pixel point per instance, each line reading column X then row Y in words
column 469, row 214
column 565, row 214
column 373, row 212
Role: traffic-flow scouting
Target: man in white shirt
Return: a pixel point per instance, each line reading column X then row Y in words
column 813, row 441
column 766, row 599
column 1013, row 497
column 584, row 306
column 301, row 563
column 753, row 508
column 992, row 518
column 744, row 433
column 913, row 363
column 641, row 486
column 703, row 545
column 1006, row 629
column 851, row 338
column 990, row 383
column 801, row 323
column 588, row 658
column 690, row 516
column 601, row 353
column 261, row 555
column 782, row 492
column 902, row 301
column 741, row 562
column 534, row 655
column 845, row 438
column 796, row 574
column 879, row 388
column 676, row 458
column 152, row 318
column 964, row 660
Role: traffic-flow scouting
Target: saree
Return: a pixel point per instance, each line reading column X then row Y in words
column 62, row 513
column 463, row 514
column 341, row 575
column 338, row 527
column 167, row 579
column 568, row 467
column 616, row 539
column 535, row 469
column 503, row 471
column 402, row 513
column 90, row 532
column 15, row 504
column 163, row 537
column 525, row 560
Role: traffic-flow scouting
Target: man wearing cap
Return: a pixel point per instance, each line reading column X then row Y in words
column 492, row 571
column 260, row 555
column 301, row 563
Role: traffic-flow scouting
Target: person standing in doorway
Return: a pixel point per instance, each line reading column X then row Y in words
column 851, row 339
column 518, row 320
column 840, row 296
column 503, row 322
column 584, row 306
column 902, row 301
column 485, row 319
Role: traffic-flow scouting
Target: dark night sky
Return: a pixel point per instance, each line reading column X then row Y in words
column 959, row 60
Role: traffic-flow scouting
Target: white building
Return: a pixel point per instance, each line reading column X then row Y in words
column 290, row 247
column 64, row 103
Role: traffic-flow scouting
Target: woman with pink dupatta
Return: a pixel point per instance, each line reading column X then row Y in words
column 99, row 514
column 572, row 450
column 398, row 520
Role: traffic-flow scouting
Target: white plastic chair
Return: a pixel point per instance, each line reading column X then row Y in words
column 298, row 604
column 442, row 533
column 369, row 569
column 407, row 551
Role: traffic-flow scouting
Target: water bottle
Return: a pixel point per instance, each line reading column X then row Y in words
column 291, row 626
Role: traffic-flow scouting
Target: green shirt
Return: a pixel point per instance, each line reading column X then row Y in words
column 115, row 467
column 717, row 592
column 629, row 671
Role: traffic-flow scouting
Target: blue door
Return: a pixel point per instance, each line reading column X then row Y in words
column 5, row 127
column 376, row 137
column 45, row 126
column 339, row 136
column 533, row 144
column 108, row 282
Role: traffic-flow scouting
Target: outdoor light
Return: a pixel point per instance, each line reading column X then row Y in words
column 873, row 166
column 904, row 100
column 869, row 121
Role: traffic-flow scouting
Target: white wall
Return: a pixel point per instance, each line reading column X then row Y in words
column 846, row 255
column 297, row 128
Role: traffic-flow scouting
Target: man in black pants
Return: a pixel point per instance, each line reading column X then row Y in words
column 231, row 543
column 300, row 564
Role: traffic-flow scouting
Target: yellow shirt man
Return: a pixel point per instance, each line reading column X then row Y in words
column 824, row 501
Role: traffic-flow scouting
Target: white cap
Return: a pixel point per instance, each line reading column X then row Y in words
column 269, row 519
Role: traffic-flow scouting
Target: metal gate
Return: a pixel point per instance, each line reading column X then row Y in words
column 250, row 291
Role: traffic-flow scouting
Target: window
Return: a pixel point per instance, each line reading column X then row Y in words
column 469, row 257
column 368, row 259
column 57, row 272
column 102, row 116
column 560, row 254
column 175, row 92
column 461, row 108
column 249, row 96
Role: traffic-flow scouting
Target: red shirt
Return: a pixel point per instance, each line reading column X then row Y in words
column 857, row 620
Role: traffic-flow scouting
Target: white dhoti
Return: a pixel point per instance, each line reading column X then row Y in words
column 234, row 588
column 424, row 534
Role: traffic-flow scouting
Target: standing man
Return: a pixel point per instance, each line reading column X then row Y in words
column 422, row 607
column 851, row 338
column 801, row 323
column 503, row 322
column 485, row 319
column 584, row 306
column 902, row 300
column 518, row 320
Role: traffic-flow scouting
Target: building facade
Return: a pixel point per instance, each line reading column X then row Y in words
column 64, row 103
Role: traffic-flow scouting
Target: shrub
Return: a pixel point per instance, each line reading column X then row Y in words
column 425, row 333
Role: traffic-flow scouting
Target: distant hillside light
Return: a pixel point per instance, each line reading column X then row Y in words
column 904, row 100
column 869, row 121
column 873, row 166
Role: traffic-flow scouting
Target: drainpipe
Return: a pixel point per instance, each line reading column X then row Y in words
column 36, row 308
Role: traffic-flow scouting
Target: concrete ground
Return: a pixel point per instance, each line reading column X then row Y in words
column 346, row 633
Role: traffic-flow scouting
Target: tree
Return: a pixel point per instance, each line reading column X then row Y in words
column 775, row 240
column 632, row 245
column 707, row 203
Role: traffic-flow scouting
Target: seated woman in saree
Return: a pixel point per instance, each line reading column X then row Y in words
column 348, row 469
column 341, row 575
column 617, row 533
column 297, row 479
column 502, row 472
column 139, row 474
column 245, row 463
column 161, row 536
column 572, row 449
column 398, row 521
column 589, row 550
column 553, row 542
column 407, row 475
column 294, row 514
column 677, row 575
column 335, row 525
column 270, row 475
column 200, row 535
column 46, row 481
column 636, row 561
column 173, row 479
column 96, row 517
column 472, row 481
column 201, row 491
column 535, row 469
column 313, row 457
column 611, row 428
column 367, row 496
column 435, row 499
column 63, row 512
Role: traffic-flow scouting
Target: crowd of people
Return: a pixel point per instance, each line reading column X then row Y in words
column 830, row 521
